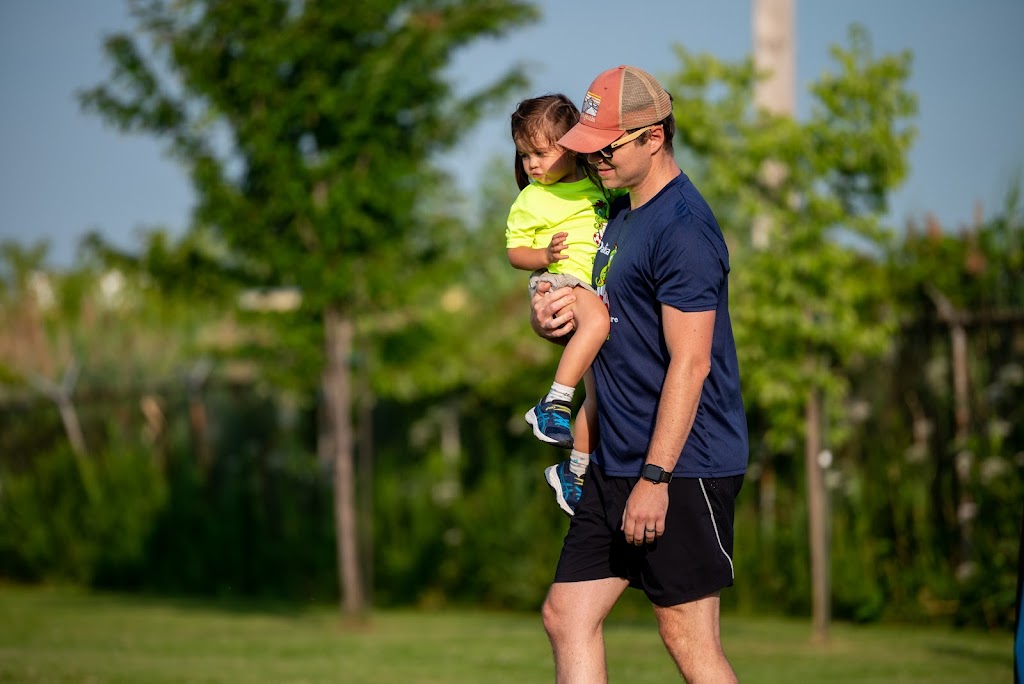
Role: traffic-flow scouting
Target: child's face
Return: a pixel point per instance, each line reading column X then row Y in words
column 546, row 163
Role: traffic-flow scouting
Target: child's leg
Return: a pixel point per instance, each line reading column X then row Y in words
column 591, row 316
column 566, row 478
column 550, row 419
column 585, row 439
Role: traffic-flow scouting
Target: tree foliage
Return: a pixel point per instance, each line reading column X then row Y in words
column 812, row 302
column 308, row 129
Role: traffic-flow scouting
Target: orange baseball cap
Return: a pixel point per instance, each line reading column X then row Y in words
column 619, row 100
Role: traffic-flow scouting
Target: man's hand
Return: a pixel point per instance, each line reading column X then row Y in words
column 555, row 248
column 551, row 312
column 643, row 519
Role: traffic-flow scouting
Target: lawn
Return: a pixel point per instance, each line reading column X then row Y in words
column 63, row 635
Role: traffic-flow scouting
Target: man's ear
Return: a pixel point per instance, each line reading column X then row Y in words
column 657, row 136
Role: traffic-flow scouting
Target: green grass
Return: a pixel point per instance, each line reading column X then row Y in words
column 63, row 635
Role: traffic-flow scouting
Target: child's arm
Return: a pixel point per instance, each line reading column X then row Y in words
column 530, row 259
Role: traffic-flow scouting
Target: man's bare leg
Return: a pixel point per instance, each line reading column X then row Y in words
column 691, row 635
column 574, row 614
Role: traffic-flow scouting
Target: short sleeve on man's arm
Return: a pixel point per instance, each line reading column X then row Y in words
column 688, row 266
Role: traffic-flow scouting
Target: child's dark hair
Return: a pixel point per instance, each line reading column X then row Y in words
column 546, row 119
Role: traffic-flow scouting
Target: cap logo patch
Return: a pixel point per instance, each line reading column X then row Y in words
column 590, row 104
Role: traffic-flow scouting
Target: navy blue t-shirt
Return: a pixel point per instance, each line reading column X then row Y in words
column 668, row 251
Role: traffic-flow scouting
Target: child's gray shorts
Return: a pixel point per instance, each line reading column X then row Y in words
column 557, row 280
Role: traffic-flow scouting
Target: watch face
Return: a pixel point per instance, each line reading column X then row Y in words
column 654, row 473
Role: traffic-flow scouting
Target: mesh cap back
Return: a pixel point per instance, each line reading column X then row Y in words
column 644, row 101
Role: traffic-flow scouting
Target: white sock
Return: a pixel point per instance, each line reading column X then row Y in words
column 560, row 392
column 578, row 462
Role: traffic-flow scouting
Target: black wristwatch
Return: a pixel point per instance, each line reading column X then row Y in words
column 655, row 474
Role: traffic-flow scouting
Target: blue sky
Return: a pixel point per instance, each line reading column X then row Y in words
column 63, row 173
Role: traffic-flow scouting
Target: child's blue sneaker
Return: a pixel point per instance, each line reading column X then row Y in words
column 568, row 486
column 550, row 422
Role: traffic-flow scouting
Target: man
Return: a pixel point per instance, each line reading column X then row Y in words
column 656, row 511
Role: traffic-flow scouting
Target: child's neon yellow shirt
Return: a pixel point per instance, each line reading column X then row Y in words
column 578, row 208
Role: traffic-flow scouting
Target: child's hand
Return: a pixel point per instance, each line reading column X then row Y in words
column 554, row 250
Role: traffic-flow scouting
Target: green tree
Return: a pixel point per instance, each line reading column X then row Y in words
column 805, row 296
column 812, row 305
column 308, row 129
column 955, row 385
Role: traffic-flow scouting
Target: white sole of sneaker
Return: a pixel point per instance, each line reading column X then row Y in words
column 551, row 475
column 531, row 418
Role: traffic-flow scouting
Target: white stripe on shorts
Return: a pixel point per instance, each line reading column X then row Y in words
column 715, row 525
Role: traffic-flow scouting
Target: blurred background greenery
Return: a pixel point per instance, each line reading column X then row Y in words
column 316, row 393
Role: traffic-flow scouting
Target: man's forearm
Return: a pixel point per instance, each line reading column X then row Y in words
column 677, row 409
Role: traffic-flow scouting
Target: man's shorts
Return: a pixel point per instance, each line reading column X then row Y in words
column 691, row 560
column 557, row 280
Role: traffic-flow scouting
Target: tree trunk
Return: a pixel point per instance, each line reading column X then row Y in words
column 61, row 396
column 966, row 509
column 69, row 417
column 365, row 450
column 817, row 518
column 195, row 383
column 338, row 334
column 451, row 447
column 774, row 52
column 767, row 500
